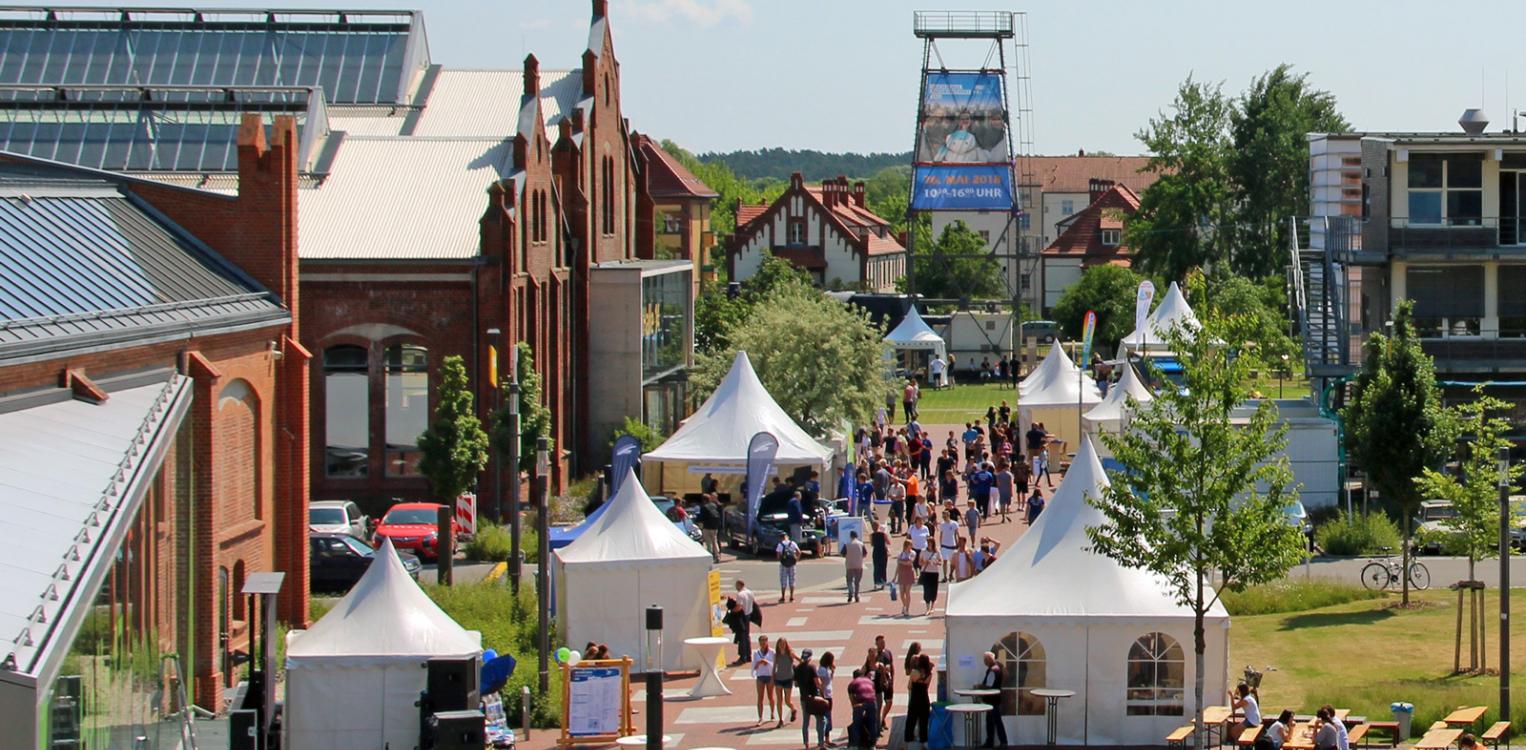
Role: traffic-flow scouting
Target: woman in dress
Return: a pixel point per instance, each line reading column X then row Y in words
column 784, row 679
column 906, row 575
column 919, row 677
column 879, row 543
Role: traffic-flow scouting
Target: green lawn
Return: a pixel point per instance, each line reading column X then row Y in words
column 962, row 403
column 1365, row 655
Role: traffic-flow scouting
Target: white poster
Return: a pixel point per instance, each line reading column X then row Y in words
column 594, row 701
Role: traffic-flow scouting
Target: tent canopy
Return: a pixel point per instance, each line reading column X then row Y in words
column 386, row 615
column 1038, row 576
column 1060, row 389
column 631, row 529
column 1173, row 311
column 914, row 333
column 1114, row 407
column 1055, row 365
column 739, row 408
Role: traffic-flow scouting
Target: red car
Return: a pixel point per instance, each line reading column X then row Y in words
column 413, row 526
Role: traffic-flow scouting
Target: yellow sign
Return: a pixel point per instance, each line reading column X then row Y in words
column 492, row 365
column 717, row 610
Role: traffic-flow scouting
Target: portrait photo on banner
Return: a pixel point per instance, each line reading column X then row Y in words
column 963, row 119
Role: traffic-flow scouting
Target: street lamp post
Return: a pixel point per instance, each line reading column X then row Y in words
column 542, row 572
column 1282, row 373
column 1504, row 662
column 653, row 667
column 516, row 556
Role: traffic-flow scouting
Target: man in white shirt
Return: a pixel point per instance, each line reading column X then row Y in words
column 918, row 534
column 935, row 370
column 853, row 564
column 748, row 603
column 948, row 543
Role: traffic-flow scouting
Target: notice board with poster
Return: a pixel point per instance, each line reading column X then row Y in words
column 717, row 606
column 596, row 702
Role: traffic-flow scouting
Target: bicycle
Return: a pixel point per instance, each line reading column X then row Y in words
column 1384, row 573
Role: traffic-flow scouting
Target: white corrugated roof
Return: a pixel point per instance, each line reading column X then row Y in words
column 374, row 124
column 402, row 197
column 486, row 102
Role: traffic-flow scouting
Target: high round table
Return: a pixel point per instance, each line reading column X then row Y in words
column 1052, row 708
column 710, row 683
column 638, row 740
column 972, row 713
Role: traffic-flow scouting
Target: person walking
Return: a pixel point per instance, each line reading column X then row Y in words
column 879, row 545
column 897, row 495
column 752, row 616
column 794, row 510
column 1035, row 505
column 863, row 731
column 736, row 619
column 763, row 677
column 929, row 580
column 905, row 575
column 710, row 525
column 886, row 686
column 811, row 702
column 964, row 562
column 972, row 519
column 919, row 707
column 980, row 483
column 909, row 400
column 948, row 539
column 784, row 679
column 1005, row 485
column 994, row 679
column 826, row 669
column 788, row 553
column 853, row 564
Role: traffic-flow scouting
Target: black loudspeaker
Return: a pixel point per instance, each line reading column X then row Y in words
column 453, row 685
column 458, row 730
column 243, row 730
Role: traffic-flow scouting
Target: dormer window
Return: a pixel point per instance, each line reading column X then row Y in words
column 796, row 232
column 1112, row 237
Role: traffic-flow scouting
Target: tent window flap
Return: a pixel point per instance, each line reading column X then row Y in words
column 1157, row 676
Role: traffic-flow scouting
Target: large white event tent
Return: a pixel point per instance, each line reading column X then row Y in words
column 1058, row 401
column 630, row 558
column 1067, row 618
column 1172, row 311
column 914, row 334
column 354, row 677
column 1055, row 365
column 1112, row 415
column 714, row 439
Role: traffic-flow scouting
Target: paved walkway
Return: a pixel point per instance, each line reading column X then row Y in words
column 820, row 619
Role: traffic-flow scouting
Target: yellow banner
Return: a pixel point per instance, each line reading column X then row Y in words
column 492, row 365
column 717, row 610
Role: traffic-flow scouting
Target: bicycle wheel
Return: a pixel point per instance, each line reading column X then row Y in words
column 1419, row 576
column 1375, row 576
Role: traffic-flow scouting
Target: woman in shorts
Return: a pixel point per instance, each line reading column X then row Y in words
column 784, row 679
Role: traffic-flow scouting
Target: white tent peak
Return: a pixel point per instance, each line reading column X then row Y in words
column 631, row 528
column 739, row 408
column 1114, row 406
column 1059, row 384
column 386, row 614
column 1055, row 364
column 1173, row 311
column 914, row 333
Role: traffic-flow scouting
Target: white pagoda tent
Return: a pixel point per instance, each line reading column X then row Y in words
column 1172, row 311
column 630, row 558
column 1056, row 364
column 1064, row 617
column 1112, row 415
column 354, row 677
column 915, row 335
column 714, row 439
column 1059, row 393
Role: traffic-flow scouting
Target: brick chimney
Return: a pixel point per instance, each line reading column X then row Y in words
column 858, row 193
column 532, row 75
column 600, row 9
column 1097, row 188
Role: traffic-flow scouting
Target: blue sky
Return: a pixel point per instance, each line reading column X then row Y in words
column 841, row 75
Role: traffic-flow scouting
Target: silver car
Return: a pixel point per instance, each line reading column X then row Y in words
column 338, row 517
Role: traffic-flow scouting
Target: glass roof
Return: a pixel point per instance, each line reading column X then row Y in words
column 356, row 58
column 133, row 129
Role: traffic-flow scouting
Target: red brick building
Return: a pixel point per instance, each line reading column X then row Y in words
column 149, row 352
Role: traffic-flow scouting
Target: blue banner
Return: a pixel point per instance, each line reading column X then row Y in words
column 760, row 465
column 963, row 119
column 962, row 188
column 625, row 458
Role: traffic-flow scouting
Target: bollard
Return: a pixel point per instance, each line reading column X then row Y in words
column 524, row 710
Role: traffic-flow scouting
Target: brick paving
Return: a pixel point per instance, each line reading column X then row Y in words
column 820, row 619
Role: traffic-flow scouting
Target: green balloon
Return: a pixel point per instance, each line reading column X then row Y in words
column 562, row 654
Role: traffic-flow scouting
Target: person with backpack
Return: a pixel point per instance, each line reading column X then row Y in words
column 812, row 704
column 736, row 620
column 789, row 555
column 710, row 525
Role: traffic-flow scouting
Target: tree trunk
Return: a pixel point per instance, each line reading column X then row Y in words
column 1198, row 647
column 1404, row 560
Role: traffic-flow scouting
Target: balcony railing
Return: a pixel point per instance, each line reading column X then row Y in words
column 1476, row 352
column 1450, row 235
column 963, row 23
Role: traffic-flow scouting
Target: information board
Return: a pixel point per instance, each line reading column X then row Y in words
column 596, row 707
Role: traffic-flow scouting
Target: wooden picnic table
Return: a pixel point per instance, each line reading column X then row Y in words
column 1217, row 714
column 1466, row 716
column 1438, row 739
column 1301, row 738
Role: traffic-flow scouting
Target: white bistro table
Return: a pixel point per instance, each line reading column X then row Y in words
column 973, row 716
column 1052, row 708
column 709, row 649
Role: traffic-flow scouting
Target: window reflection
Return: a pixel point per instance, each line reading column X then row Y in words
column 347, row 411
column 1157, row 674
column 407, row 406
column 1023, row 667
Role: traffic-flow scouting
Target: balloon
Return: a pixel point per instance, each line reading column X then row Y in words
column 489, row 655
column 562, row 654
column 574, row 657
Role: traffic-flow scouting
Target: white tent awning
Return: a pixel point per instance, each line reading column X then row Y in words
column 631, row 529
column 1055, row 365
column 739, row 408
column 1173, row 311
column 1114, row 407
column 914, row 333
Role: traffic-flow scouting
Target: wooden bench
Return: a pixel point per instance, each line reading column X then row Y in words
column 1357, row 735
column 1496, row 733
column 1435, row 725
column 1388, row 728
column 1248, row 736
column 1179, row 736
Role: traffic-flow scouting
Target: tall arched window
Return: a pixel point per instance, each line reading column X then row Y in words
column 407, row 407
column 1023, row 668
column 1157, row 675
column 238, row 460
column 346, row 411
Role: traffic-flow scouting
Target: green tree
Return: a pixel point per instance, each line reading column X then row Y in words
column 821, row 360
column 649, row 436
column 454, row 447
column 534, row 415
column 886, row 192
column 1251, row 312
column 1201, row 495
column 1177, row 225
column 1270, row 163
column 717, row 312
column 1396, row 426
column 957, row 265
column 1109, row 290
column 1474, row 490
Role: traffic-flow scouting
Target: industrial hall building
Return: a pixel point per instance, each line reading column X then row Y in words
column 418, row 211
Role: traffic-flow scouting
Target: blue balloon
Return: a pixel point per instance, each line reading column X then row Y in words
column 489, row 655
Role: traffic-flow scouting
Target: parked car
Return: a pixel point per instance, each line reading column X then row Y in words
column 685, row 521
column 338, row 560
column 1434, row 522
column 413, row 526
column 771, row 527
column 338, row 517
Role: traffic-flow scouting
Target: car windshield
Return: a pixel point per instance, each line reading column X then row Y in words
column 1438, row 512
column 359, row 546
column 325, row 516
column 410, row 515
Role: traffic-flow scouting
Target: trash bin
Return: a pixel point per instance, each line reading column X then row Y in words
column 940, row 728
column 1403, row 714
